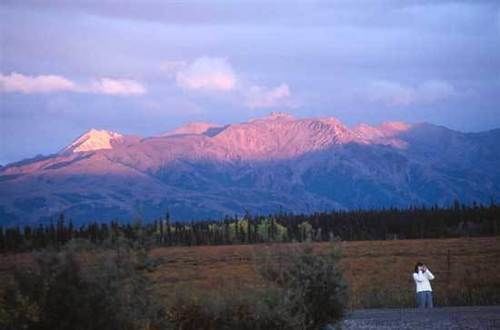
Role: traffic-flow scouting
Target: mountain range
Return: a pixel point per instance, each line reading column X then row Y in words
column 265, row 165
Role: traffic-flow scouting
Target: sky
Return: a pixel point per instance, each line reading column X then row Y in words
column 146, row 67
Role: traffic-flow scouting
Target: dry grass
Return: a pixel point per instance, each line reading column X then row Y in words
column 378, row 272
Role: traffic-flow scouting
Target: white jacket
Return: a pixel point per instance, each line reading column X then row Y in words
column 422, row 280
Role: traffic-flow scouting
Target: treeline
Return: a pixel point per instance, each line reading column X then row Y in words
column 394, row 223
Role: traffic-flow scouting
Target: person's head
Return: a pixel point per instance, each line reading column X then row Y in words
column 418, row 266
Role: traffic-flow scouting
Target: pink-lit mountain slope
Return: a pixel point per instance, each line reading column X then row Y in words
column 268, row 164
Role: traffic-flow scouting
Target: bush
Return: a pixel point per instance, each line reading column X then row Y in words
column 72, row 289
column 228, row 310
column 313, row 289
column 304, row 291
column 85, row 287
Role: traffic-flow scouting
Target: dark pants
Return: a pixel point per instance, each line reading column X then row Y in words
column 424, row 299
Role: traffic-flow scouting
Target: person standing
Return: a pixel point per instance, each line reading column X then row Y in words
column 422, row 277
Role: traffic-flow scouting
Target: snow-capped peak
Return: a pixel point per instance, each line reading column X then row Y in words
column 94, row 139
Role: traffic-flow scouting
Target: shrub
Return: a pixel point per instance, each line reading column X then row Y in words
column 314, row 291
column 304, row 291
column 73, row 290
column 241, row 309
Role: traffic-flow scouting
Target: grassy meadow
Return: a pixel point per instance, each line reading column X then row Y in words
column 378, row 272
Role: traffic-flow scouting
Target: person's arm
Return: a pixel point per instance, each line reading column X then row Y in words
column 418, row 276
column 428, row 274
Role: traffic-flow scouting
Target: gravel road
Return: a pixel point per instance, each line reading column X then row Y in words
column 481, row 317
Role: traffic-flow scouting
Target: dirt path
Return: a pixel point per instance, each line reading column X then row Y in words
column 484, row 317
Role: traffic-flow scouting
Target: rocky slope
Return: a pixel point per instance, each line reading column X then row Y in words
column 268, row 164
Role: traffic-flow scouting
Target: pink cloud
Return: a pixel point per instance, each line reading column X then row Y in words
column 207, row 73
column 117, row 87
column 262, row 97
column 216, row 74
column 16, row 82
column 20, row 83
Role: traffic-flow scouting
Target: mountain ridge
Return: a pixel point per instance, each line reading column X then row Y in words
column 267, row 164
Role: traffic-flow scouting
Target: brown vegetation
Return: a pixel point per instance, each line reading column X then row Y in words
column 378, row 272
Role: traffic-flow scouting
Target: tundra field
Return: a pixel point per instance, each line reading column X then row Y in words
column 378, row 272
